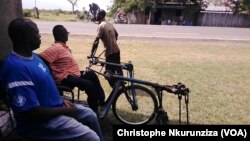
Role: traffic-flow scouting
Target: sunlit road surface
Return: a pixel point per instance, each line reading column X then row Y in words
column 155, row 31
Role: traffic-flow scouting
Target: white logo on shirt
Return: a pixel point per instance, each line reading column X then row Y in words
column 19, row 100
column 42, row 67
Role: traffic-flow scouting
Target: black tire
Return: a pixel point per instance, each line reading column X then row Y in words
column 147, row 106
column 161, row 118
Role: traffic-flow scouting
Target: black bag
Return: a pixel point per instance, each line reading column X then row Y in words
column 161, row 117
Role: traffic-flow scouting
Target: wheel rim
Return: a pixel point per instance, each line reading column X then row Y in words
column 144, row 113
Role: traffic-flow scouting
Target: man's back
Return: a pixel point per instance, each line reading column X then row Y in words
column 107, row 33
column 61, row 61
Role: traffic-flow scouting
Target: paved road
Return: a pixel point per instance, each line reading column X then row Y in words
column 155, row 31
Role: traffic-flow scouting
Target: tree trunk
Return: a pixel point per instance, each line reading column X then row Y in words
column 36, row 11
column 9, row 10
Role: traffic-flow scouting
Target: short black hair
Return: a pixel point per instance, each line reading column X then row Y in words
column 100, row 14
column 18, row 28
column 59, row 31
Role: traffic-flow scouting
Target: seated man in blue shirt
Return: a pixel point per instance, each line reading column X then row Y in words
column 40, row 112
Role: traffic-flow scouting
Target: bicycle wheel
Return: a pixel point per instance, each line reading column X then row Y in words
column 147, row 106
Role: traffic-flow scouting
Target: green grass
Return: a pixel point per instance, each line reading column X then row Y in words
column 56, row 17
column 216, row 73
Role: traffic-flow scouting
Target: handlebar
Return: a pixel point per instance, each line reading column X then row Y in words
column 93, row 60
column 176, row 89
column 179, row 88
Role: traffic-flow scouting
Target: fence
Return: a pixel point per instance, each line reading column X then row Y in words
column 224, row 20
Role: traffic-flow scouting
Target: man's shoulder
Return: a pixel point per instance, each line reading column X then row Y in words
column 10, row 59
column 55, row 47
column 103, row 23
column 11, row 63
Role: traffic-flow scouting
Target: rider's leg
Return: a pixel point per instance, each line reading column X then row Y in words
column 87, row 86
column 90, row 75
column 113, row 58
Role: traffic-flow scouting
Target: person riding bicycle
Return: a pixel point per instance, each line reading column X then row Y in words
column 108, row 34
column 93, row 8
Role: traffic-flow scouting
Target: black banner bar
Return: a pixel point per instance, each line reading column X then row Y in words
column 164, row 132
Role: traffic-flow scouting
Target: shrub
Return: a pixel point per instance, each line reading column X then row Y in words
column 27, row 13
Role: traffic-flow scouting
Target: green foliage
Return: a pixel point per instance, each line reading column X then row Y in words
column 58, row 12
column 27, row 13
column 246, row 6
column 54, row 12
column 83, row 15
column 140, row 5
column 30, row 12
column 128, row 6
column 133, row 5
column 238, row 6
column 51, row 15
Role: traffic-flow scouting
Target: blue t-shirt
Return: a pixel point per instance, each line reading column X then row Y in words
column 29, row 83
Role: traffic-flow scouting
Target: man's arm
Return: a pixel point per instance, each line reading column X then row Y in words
column 43, row 114
column 116, row 34
column 94, row 46
column 44, row 60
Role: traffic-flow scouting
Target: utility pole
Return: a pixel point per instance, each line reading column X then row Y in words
column 36, row 11
column 145, row 5
column 145, row 18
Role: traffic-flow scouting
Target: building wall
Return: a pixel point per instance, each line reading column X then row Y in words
column 137, row 18
column 224, row 20
column 181, row 15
